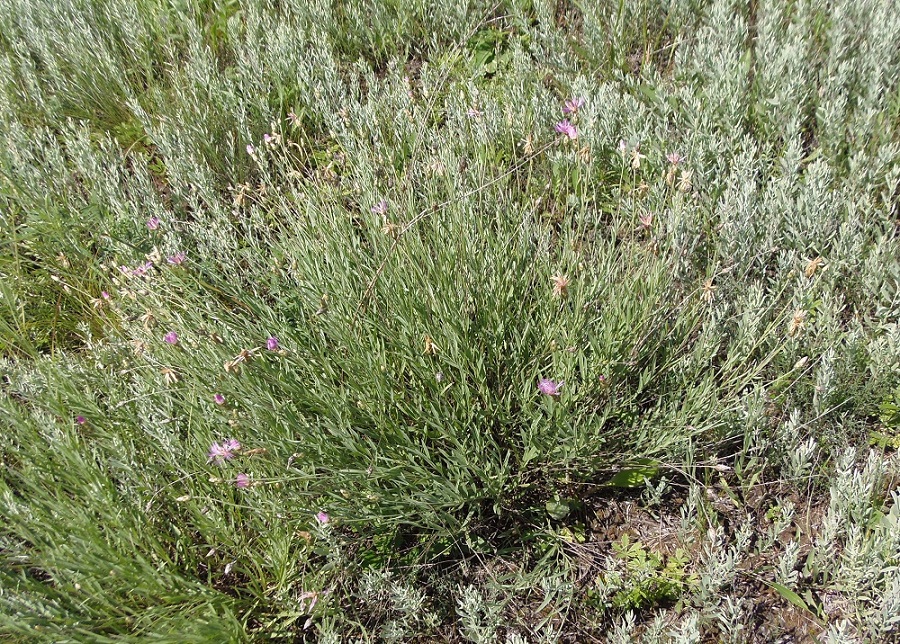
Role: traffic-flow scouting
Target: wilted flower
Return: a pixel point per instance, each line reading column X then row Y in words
column 431, row 348
column 225, row 452
column 380, row 208
column 684, row 181
column 798, row 322
column 272, row 343
column 622, row 147
column 636, row 157
column 708, row 291
column 572, row 105
column 564, row 127
column 153, row 223
column 178, row 258
column 171, row 337
column 439, row 376
column 549, row 387
column 646, row 219
column 170, row 375
column 293, row 118
column 560, row 285
column 242, row 480
column 473, row 113
column 219, row 399
column 81, row 420
column 813, row 266
column 322, row 517
column 674, row 158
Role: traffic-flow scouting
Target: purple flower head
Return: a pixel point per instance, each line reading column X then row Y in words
column 225, row 452
column 81, row 420
column 564, row 127
column 549, row 387
column 380, row 208
column 178, row 258
column 153, row 223
column 104, row 295
column 242, row 480
column 124, row 269
column 322, row 517
column 572, row 105
column 141, row 270
column 171, row 337
column 272, row 344
column 219, row 399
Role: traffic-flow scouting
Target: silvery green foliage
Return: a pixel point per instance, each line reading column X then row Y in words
column 479, row 616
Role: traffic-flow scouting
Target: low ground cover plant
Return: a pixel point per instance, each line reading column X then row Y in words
column 461, row 321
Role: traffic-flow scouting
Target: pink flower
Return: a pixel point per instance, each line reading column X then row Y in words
column 141, row 270
column 473, row 113
column 623, row 147
column 549, row 387
column 153, row 223
column 322, row 517
column 564, row 127
column 572, row 105
column 178, row 258
column 380, row 208
column 293, row 118
column 171, row 337
column 268, row 138
column 272, row 343
column 225, row 452
column 674, row 158
column 242, row 480
column 104, row 295
column 219, row 399
column 250, row 149
column 81, row 420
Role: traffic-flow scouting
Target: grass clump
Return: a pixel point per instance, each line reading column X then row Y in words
column 507, row 323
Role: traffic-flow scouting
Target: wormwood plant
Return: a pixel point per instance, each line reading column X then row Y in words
column 326, row 321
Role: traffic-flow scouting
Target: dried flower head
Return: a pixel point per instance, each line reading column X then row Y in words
column 813, row 266
column 636, row 157
column 380, row 208
column 646, row 219
column 560, row 285
column 708, row 291
column 797, row 323
column 674, row 158
column 473, row 113
column 431, row 349
column 170, row 376
column 684, row 181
